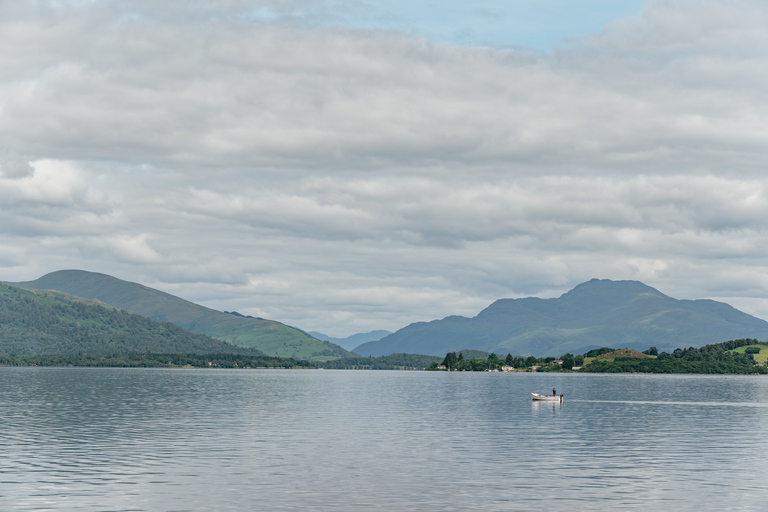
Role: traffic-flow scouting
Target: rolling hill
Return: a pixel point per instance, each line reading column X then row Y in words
column 594, row 314
column 271, row 337
column 53, row 323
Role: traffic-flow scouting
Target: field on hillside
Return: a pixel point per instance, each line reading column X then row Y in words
column 761, row 358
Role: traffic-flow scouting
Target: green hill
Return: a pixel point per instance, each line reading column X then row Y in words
column 271, row 337
column 54, row 323
column 594, row 314
column 730, row 357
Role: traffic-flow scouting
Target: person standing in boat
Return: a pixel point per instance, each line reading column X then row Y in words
column 554, row 393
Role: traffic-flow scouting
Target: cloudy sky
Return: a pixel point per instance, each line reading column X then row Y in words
column 349, row 165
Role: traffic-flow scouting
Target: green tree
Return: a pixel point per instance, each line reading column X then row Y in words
column 477, row 365
column 568, row 361
column 450, row 360
column 509, row 361
column 579, row 360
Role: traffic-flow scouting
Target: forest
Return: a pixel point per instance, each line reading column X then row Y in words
column 390, row 362
column 157, row 360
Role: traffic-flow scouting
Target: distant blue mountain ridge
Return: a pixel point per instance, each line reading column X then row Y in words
column 598, row 313
column 352, row 341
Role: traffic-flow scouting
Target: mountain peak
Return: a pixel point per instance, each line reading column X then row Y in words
column 607, row 286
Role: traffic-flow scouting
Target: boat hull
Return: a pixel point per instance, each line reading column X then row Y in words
column 546, row 398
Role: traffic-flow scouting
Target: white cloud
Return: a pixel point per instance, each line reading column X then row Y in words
column 125, row 248
column 53, row 182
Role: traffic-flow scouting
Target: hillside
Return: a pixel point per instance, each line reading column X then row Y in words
column 271, row 337
column 594, row 314
column 54, row 323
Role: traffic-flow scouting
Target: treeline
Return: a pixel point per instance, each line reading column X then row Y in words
column 712, row 359
column 457, row 362
column 716, row 358
column 48, row 323
column 155, row 360
column 390, row 362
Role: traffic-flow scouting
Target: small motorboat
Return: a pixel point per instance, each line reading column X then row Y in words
column 547, row 398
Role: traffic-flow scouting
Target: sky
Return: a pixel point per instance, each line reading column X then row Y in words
column 344, row 166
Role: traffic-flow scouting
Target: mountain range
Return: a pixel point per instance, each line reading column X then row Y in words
column 268, row 336
column 594, row 314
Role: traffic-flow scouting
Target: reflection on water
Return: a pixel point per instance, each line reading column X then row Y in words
column 539, row 406
column 130, row 439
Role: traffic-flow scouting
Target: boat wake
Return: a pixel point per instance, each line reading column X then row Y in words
column 659, row 402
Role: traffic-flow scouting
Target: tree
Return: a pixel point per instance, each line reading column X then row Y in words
column 450, row 360
column 653, row 351
column 579, row 360
column 509, row 361
column 568, row 361
column 493, row 361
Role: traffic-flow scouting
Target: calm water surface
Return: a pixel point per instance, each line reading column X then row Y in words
column 162, row 440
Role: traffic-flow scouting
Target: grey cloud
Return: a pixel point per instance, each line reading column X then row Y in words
column 345, row 180
column 276, row 97
column 14, row 165
column 466, row 211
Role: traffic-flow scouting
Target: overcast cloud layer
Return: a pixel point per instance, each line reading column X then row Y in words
column 344, row 180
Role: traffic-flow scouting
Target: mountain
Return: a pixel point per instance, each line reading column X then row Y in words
column 594, row 314
column 271, row 337
column 353, row 341
column 54, row 323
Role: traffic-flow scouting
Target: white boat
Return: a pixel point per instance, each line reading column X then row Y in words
column 547, row 398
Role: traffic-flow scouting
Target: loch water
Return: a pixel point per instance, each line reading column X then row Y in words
column 311, row 440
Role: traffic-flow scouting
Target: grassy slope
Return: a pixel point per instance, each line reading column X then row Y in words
column 269, row 336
